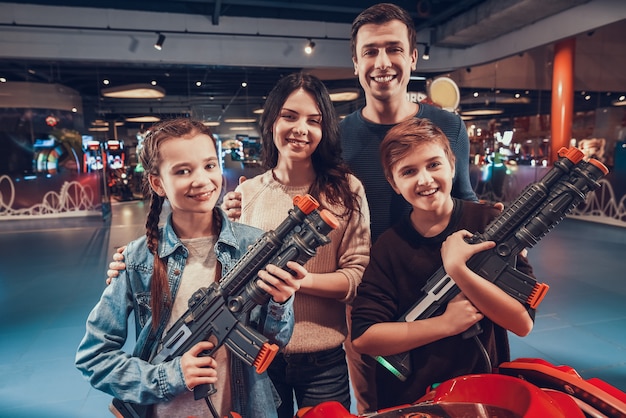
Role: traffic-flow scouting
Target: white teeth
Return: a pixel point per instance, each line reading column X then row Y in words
column 427, row 192
column 201, row 195
column 384, row 79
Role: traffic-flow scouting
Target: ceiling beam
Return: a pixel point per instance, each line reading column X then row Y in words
column 216, row 12
column 46, row 32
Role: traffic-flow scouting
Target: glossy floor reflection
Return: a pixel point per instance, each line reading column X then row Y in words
column 53, row 271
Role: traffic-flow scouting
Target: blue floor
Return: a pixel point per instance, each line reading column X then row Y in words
column 52, row 273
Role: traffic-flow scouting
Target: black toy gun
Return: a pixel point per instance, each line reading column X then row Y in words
column 538, row 209
column 220, row 311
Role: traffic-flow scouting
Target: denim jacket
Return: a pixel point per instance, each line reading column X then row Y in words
column 133, row 379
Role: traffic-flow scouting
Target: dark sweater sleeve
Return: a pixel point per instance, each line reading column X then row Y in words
column 376, row 299
column 462, row 186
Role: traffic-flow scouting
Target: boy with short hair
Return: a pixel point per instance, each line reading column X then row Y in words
column 419, row 165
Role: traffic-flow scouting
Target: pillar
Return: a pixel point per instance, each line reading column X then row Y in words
column 562, row 96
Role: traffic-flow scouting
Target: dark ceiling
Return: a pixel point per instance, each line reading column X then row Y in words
column 220, row 93
column 426, row 13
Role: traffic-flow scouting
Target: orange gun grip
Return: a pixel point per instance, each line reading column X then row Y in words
column 537, row 295
column 265, row 357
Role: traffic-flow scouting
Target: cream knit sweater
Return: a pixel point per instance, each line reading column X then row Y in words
column 320, row 322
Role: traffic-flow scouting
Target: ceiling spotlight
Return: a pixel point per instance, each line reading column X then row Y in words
column 308, row 49
column 426, row 55
column 159, row 43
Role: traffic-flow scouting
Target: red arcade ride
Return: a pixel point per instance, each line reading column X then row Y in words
column 529, row 388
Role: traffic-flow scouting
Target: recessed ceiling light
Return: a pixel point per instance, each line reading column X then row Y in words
column 240, row 120
column 482, row 112
column 345, row 95
column 211, row 123
column 144, row 119
column 240, row 128
column 258, row 111
column 134, row 91
column 99, row 123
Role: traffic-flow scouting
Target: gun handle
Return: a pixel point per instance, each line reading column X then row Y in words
column 472, row 331
column 203, row 391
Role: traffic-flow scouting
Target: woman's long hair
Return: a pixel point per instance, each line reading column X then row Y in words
column 331, row 172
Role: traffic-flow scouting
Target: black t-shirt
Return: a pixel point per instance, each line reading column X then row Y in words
column 401, row 263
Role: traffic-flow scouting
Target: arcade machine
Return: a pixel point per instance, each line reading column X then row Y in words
column 119, row 174
column 47, row 154
column 116, row 158
column 92, row 156
column 252, row 151
column 94, row 163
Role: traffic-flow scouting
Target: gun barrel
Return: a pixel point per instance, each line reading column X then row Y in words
column 299, row 246
column 531, row 197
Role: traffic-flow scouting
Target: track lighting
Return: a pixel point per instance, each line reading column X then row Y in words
column 426, row 54
column 308, row 49
column 159, row 43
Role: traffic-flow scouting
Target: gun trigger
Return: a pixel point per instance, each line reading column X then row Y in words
column 474, row 239
column 537, row 294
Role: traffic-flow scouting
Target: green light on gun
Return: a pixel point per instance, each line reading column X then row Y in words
column 390, row 367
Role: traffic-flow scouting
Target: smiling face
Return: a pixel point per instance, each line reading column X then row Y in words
column 383, row 60
column 189, row 174
column 298, row 129
column 424, row 177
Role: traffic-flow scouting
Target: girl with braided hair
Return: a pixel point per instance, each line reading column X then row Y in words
column 163, row 269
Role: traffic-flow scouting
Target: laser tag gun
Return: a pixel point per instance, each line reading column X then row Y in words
column 221, row 310
column 538, row 209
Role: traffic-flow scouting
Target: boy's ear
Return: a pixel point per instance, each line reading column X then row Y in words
column 393, row 185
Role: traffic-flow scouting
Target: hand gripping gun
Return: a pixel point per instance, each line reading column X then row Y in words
column 538, row 209
column 220, row 311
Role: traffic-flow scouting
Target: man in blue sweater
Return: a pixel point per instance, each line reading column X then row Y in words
column 384, row 52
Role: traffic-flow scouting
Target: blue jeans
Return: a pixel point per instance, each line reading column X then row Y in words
column 312, row 377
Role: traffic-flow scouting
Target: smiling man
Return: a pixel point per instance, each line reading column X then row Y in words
column 384, row 52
